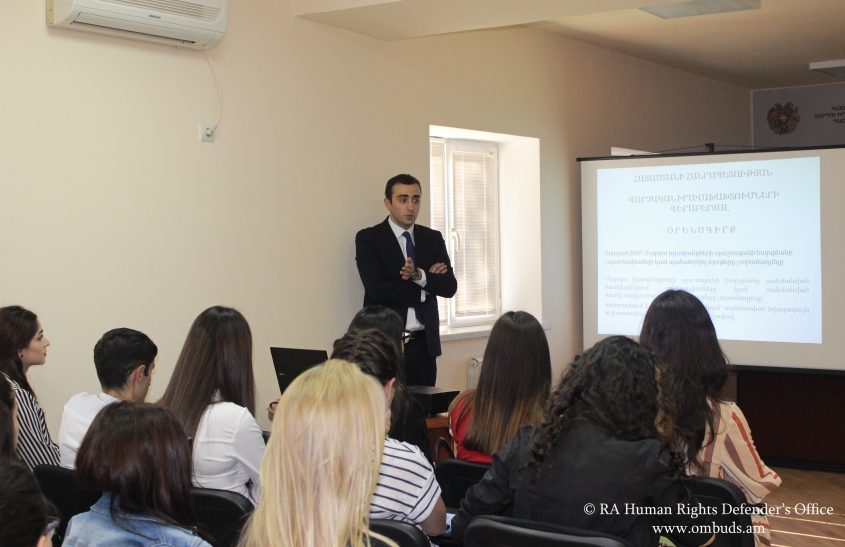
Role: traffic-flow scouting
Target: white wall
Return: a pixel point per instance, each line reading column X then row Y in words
column 114, row 214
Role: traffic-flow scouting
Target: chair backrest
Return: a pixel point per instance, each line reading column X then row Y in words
column 455, row 477
column 222, row 514
column 492, row 531
column 442, row 448
column 59, row 486
column 713, row 493
column 404, row 534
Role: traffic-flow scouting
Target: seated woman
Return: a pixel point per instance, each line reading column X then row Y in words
column 212, row 394
column 407, row 489
column 713, row 433
column 512, row 390
column 599, row 444
column 380, row 318
column 26, row 518
column 407, row 422
column 23, row 345
column 322, row 462
column 139, row 457
column 8, row 421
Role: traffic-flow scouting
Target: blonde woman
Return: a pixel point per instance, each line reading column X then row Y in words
column 322, row 462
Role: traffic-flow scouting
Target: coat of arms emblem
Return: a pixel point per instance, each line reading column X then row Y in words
column 783, row 119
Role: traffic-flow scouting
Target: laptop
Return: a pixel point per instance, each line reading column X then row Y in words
column 290, row 363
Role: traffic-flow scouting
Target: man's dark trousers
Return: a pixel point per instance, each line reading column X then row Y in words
column 420, row 366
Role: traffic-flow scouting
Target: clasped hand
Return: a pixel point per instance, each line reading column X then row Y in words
column 408, row 270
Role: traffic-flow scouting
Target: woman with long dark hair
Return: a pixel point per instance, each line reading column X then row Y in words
column 23, row 345
column 27, row 519
column 678, row 329
column 513, row 387
column 8, row 420
column 407, row 419
column 138, row 455
column 212, row 394
column 380, row 318
column 599, row 444
column 406, row 411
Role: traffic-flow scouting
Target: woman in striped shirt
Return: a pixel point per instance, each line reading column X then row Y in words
column 711, row 433
column 22, row 345
column 406, row 489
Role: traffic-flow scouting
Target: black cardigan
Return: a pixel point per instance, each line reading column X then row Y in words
column 590, row 466
column 410, row 426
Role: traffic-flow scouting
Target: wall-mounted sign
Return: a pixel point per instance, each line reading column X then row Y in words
column 799, row 116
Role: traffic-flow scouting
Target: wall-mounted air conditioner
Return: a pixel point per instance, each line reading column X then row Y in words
column 198, row 24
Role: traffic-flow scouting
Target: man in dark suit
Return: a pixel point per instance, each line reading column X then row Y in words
column 404, row 266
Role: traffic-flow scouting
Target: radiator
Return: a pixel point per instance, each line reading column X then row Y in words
column 473, row 372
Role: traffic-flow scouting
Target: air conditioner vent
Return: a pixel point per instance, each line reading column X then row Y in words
column 175, row 7
column 131, row 34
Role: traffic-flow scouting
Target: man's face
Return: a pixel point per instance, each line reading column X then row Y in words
column 405, row 205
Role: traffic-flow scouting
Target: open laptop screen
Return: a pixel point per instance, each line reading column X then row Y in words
column 290, row 363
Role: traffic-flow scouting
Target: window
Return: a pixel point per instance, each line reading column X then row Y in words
column 464, row 208
column 514, row 183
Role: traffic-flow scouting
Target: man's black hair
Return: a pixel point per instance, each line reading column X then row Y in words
column 399, row 179
column 119, row 352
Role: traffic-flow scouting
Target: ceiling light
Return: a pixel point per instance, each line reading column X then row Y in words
column 836, row 68
column 701, row 7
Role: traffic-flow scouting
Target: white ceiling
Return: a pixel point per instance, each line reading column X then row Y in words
column 755, row 49
column 399, row 19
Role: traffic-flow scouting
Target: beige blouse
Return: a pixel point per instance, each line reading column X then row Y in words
column 733, row 457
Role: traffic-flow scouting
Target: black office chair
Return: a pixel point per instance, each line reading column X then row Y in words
column 492, row 531
column 441, row 447
column 59, row 486
column 222, row 514
column 713, row 493
column 404, row 534
column 455, row 477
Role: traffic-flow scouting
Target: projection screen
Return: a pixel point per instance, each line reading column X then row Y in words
column 759, row 237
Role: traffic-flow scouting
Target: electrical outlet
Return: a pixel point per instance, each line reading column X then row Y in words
column 205, row 129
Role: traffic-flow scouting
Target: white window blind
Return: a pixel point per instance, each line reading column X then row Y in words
column 464, row 208
column 438, row 205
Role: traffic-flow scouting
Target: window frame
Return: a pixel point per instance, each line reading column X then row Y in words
column 451, row 236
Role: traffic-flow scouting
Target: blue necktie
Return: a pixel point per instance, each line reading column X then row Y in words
column 412, row 254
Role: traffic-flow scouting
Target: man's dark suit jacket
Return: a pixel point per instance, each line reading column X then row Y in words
column 380, row 260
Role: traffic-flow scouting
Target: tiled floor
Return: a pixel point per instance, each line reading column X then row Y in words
column 805, row 530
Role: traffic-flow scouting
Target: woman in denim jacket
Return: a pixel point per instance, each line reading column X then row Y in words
column 139, row 457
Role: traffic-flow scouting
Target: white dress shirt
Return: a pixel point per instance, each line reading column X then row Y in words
column 228, row 448
column 411, row 322
column 79, row 412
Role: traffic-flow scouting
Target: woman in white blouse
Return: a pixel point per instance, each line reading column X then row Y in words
column 212, row 394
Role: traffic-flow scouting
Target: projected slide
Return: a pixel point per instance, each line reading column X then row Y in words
column 743, row 237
